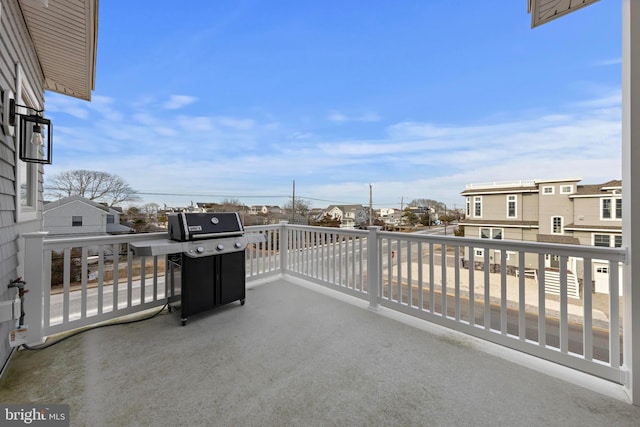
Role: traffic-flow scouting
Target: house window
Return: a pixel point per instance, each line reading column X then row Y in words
column 511, row 207
column 611, row 208
column 566, row 189
column 26, row 172
column 556, row 225
column 606, row 208
column 491, row 233
column 468, row 200
column 601, row 240
column 111, row 219
column 548, row 190
column 477, row 206
column 605, row 240
column 617, row 241
column 76, row 221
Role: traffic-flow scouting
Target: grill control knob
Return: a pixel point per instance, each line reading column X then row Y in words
column 200, row 249
column 220, row 246
column 238, row 245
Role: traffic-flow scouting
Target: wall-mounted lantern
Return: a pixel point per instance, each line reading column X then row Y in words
column 36, row 132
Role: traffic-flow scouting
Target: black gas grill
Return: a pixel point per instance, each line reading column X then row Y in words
column 206, row 260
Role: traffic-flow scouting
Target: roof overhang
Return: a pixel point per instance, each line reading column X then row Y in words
column 543, row 11
column 65, row 37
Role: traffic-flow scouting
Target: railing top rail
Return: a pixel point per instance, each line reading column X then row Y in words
column 254, row 228
column 329, row 230
column 594, row 252
column 88, row 240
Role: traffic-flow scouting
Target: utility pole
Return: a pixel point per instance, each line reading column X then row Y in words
column 370, row 205
column 445, row 220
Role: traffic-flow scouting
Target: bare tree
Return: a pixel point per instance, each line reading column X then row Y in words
column 151, row 209
column 93, row 185
column 302, row 206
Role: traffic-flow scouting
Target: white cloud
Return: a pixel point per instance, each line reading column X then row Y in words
column 610, row 61
column 176, row 102
column 240, row 124
column 209, row 154
column 343, row 118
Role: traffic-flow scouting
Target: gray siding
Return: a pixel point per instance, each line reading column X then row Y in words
column 15, row 46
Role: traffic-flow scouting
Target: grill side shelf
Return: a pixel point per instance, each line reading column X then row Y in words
column 167, row 246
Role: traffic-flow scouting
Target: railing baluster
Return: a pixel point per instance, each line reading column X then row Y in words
column 143, row 278
column 487, row 291
column 503, row 292
column 522, row 317
column 83, row 282
column 409, row 278
column 361, row 264
column 398, row 259
column 587, row 289
column 472, row 289
column 100, row 279
column 443, row 285
column 456, row 280
column 420, row 278
column 155, row 278
column 614, row 315
column 353, row 262
column 542, row 329
column 390, row 268
column 564, row 305
column 66, row 284
column 129, row 278
column 432, row 291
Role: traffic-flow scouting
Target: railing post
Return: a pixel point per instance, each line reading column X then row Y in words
column 631, row 204
column 33, row 262
column 284, row 246
column 373, row 268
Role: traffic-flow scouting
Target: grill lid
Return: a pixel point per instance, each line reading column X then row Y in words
column 185, row 226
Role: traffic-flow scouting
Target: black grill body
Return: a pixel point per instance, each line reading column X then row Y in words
column 212, row 272
column 206, row 259
column 197, row 226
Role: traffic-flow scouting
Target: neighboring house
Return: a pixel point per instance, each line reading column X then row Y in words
column 75, row 215
column 44, row 47
column 390, row 216
column 551, row 211
column 350, row 216
column 265, row 210
column 315, row 214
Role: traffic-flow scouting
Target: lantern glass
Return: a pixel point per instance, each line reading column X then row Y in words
column 35, row 139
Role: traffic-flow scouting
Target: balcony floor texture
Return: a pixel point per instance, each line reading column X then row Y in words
column 292, row 356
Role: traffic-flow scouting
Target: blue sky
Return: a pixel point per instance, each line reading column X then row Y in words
column 214, row 100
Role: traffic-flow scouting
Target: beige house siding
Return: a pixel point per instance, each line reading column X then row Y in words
column 15, row 48
column 527, row 206
column 554, row 205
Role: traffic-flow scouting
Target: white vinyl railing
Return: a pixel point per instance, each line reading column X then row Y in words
column 476, row 286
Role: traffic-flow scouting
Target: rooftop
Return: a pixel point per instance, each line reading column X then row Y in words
column 300, row 354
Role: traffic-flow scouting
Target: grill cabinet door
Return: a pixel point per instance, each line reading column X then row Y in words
column 230, row 277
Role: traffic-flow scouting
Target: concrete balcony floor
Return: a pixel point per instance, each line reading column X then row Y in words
column 293, row 356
